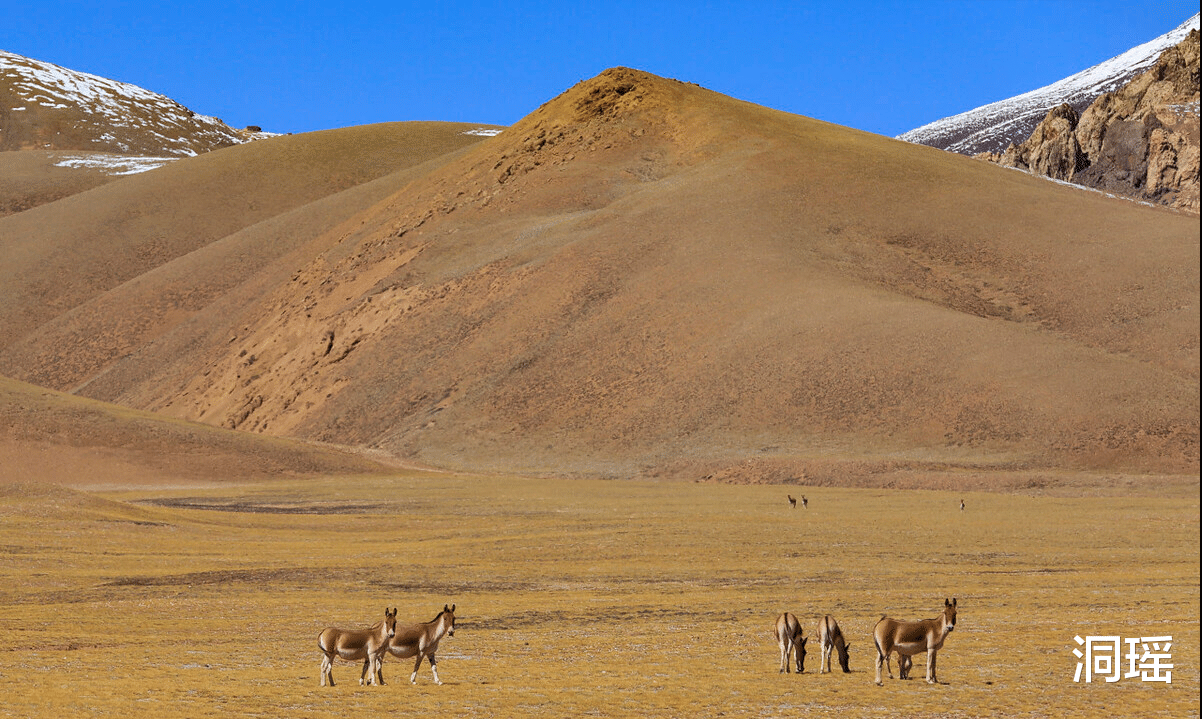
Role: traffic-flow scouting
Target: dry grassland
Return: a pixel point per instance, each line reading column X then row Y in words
column 580, row 598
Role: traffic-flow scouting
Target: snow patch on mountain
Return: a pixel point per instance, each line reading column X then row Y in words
column 114, row 164
column 992, row 127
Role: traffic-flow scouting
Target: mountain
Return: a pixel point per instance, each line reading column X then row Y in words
column 640, row 277
column 47, row 107
column 1140, row 141
column 993, row 127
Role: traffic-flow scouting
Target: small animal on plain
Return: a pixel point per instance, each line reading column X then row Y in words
column 792, row 501
column 792, row 641
column 420, row 641
column 830, row 637
column 805, row 503
column 910, row 638
column 355, row 644
column 961, row 505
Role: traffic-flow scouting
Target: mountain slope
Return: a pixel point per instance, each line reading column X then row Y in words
column 111, row 234
column 644, row 276
column 993, row 127
column 47, row 436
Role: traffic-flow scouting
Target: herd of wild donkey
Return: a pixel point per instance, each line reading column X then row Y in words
column 889, row 635
column 420, row 641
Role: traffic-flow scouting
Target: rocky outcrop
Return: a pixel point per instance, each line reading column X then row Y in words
column 1052, row 149
column 1141, row 140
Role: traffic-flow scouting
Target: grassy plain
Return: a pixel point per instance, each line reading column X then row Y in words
column 580, row 598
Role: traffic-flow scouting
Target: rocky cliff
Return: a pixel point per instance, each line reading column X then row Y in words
column 1140, row 140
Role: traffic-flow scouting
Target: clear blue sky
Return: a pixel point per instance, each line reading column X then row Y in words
column 885, row 67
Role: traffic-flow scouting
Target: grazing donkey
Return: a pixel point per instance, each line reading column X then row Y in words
column 831, row 637
column 910, row 638
column 420, row 640
column 354, row 644
column 792, row 640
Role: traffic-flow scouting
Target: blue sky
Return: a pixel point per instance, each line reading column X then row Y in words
column 885, row 67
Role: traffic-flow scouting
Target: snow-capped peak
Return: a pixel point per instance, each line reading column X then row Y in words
column 992, row 127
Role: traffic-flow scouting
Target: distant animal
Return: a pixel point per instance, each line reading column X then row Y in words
column 805, row 503
column 792, row 501
column 355, row 644
column 792, row 641
column 830, row 637
column 421, row 641
column 910, row 638
column 961, row 505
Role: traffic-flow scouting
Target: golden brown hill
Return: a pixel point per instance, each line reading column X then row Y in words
column 645, row 276
column 60, row 256
column 34, row 177
column 51, row 437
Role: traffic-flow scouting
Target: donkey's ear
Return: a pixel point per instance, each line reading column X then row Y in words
column 452, row 608
column 953, row 601
column 946, row 603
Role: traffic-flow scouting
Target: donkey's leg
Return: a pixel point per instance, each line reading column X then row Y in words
column 416, row 665
column 784, row 656
column 377, row 669
column 931, row 666
column 434, row 668
column 327, row 669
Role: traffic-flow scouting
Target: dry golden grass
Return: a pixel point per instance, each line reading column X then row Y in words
column 580, row 598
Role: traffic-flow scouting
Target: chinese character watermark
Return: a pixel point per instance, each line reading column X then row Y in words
column 1104, row 657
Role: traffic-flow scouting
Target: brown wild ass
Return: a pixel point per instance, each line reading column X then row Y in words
column 830, row 636
column 792, row 640
column 354, row 644
column 420, row 640
column 792, row 501
column 910, row 638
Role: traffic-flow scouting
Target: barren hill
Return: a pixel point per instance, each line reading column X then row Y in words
column 645, row 276
column 60, row 255
column 47, row 436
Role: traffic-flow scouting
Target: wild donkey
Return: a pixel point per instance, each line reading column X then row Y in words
column 354, row 644
column 831, row 637
column 419, row 640
column 910, row 638
column 792, row 640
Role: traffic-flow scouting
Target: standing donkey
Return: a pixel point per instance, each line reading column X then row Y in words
column 354, row 644
column 792, row 640
column 910, row 638
column 419, row 640
column 831, row 637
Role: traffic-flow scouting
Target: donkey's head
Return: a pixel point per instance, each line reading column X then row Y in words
column 801, row 654
column 949, row 614
column 843, row 657
column 448, row 615
column 390, row 621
